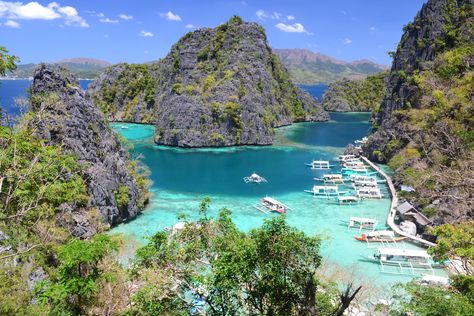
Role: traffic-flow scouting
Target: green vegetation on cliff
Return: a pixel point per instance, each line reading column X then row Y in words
column 217, row 86
column 425, row 125
column 363, row 95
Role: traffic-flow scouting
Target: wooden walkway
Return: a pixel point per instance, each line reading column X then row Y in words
column 393, row 205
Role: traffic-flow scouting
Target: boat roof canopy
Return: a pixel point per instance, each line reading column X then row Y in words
column 363, row 219
column 404, row 252
column 271, row 200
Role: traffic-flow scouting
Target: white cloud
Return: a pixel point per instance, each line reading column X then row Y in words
column 171, row 16
column 292, row 28
column 100, row 15
column 290, row 18
column 107, row 20
column 12, row 24
column 106, row 35
column 372, row 28
column 145, row 33
column 261, row 14
column 189, row 26
column 347, row 41
column 125, row 17
column 36, row 11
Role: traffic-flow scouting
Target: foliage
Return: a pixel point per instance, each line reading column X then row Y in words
column 7, row 62
column 77, row 282
column 359, row 95
column 422, row 300
column 268, row 271
column 122, row 196
column 455, row 241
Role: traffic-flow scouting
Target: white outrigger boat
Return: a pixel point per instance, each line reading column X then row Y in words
column 353, row 164
column 382, row 236
column 362, row 223
column 406, row 260
column 347, row 200
column 343, row 158
column 123, row 127
column 331, row 178
column 359, row 177
column 369, row 193
column 361, row 141
column 269, row 204
column 358, row 171
column 320, row 164
column 372, row 183
column 254, row 178
column 325, row 190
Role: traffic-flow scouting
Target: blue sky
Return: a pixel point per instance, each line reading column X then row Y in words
column 138, row 31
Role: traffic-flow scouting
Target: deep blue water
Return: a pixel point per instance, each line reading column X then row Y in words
column 316, row 91
column 12, row 89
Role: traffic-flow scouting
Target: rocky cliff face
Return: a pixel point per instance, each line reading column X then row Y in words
column 362, row 95
column 63, row 115
column 216, row 87
column 424, row 128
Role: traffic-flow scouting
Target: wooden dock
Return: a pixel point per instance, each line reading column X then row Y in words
column 393, row 205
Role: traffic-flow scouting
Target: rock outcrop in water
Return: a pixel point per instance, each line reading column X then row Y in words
column 217, row 87
column 65, row 116
column 362, row 95
column 424, row 128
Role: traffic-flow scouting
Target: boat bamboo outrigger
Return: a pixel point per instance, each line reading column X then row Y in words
column 362, row 223
column 347, row 199
column 369, row 193
column 358, row 171
column 254, row 178
column 320, row 164
column 268, row 204
column 325, row 190
column 353, row 164
column 331, row 178
column 382, row 236
column 408, row 261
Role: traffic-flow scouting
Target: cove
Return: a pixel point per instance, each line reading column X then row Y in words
column 183, row 177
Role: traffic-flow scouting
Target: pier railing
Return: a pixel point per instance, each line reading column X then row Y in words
column 393, row 207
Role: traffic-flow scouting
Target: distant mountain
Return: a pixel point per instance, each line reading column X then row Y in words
column 308, row 67
column 87, row 68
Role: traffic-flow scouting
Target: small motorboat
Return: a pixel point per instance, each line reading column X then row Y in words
column 254, row 178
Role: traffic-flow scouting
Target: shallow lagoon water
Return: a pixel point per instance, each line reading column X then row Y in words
column 182, row 177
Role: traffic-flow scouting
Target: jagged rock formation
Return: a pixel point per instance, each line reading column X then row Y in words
column 362, row 95
column 424, row 128
column 63, row 115
column 216, row 87
column 308, row 67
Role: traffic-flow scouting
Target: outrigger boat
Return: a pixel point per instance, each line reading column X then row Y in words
column 347, row 199
column 331, row 178
column 325, row 190
column 379, row 236
column 353, row 164
column 410, row 259
column 372, row 183
column 361, row 141
column 369, row 193
column 343, row 158
column 319, row 164
column 254, row 178
column 358, row 171
column 268, row 204
column 362, row 223
column 123, row 127
column 357, row 177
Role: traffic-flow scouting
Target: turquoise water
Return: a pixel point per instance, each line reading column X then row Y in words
column 182, row 177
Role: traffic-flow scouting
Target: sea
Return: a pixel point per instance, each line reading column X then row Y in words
column 181, row 178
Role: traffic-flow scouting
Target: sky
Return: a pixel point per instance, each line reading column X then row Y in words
column 139, row 31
